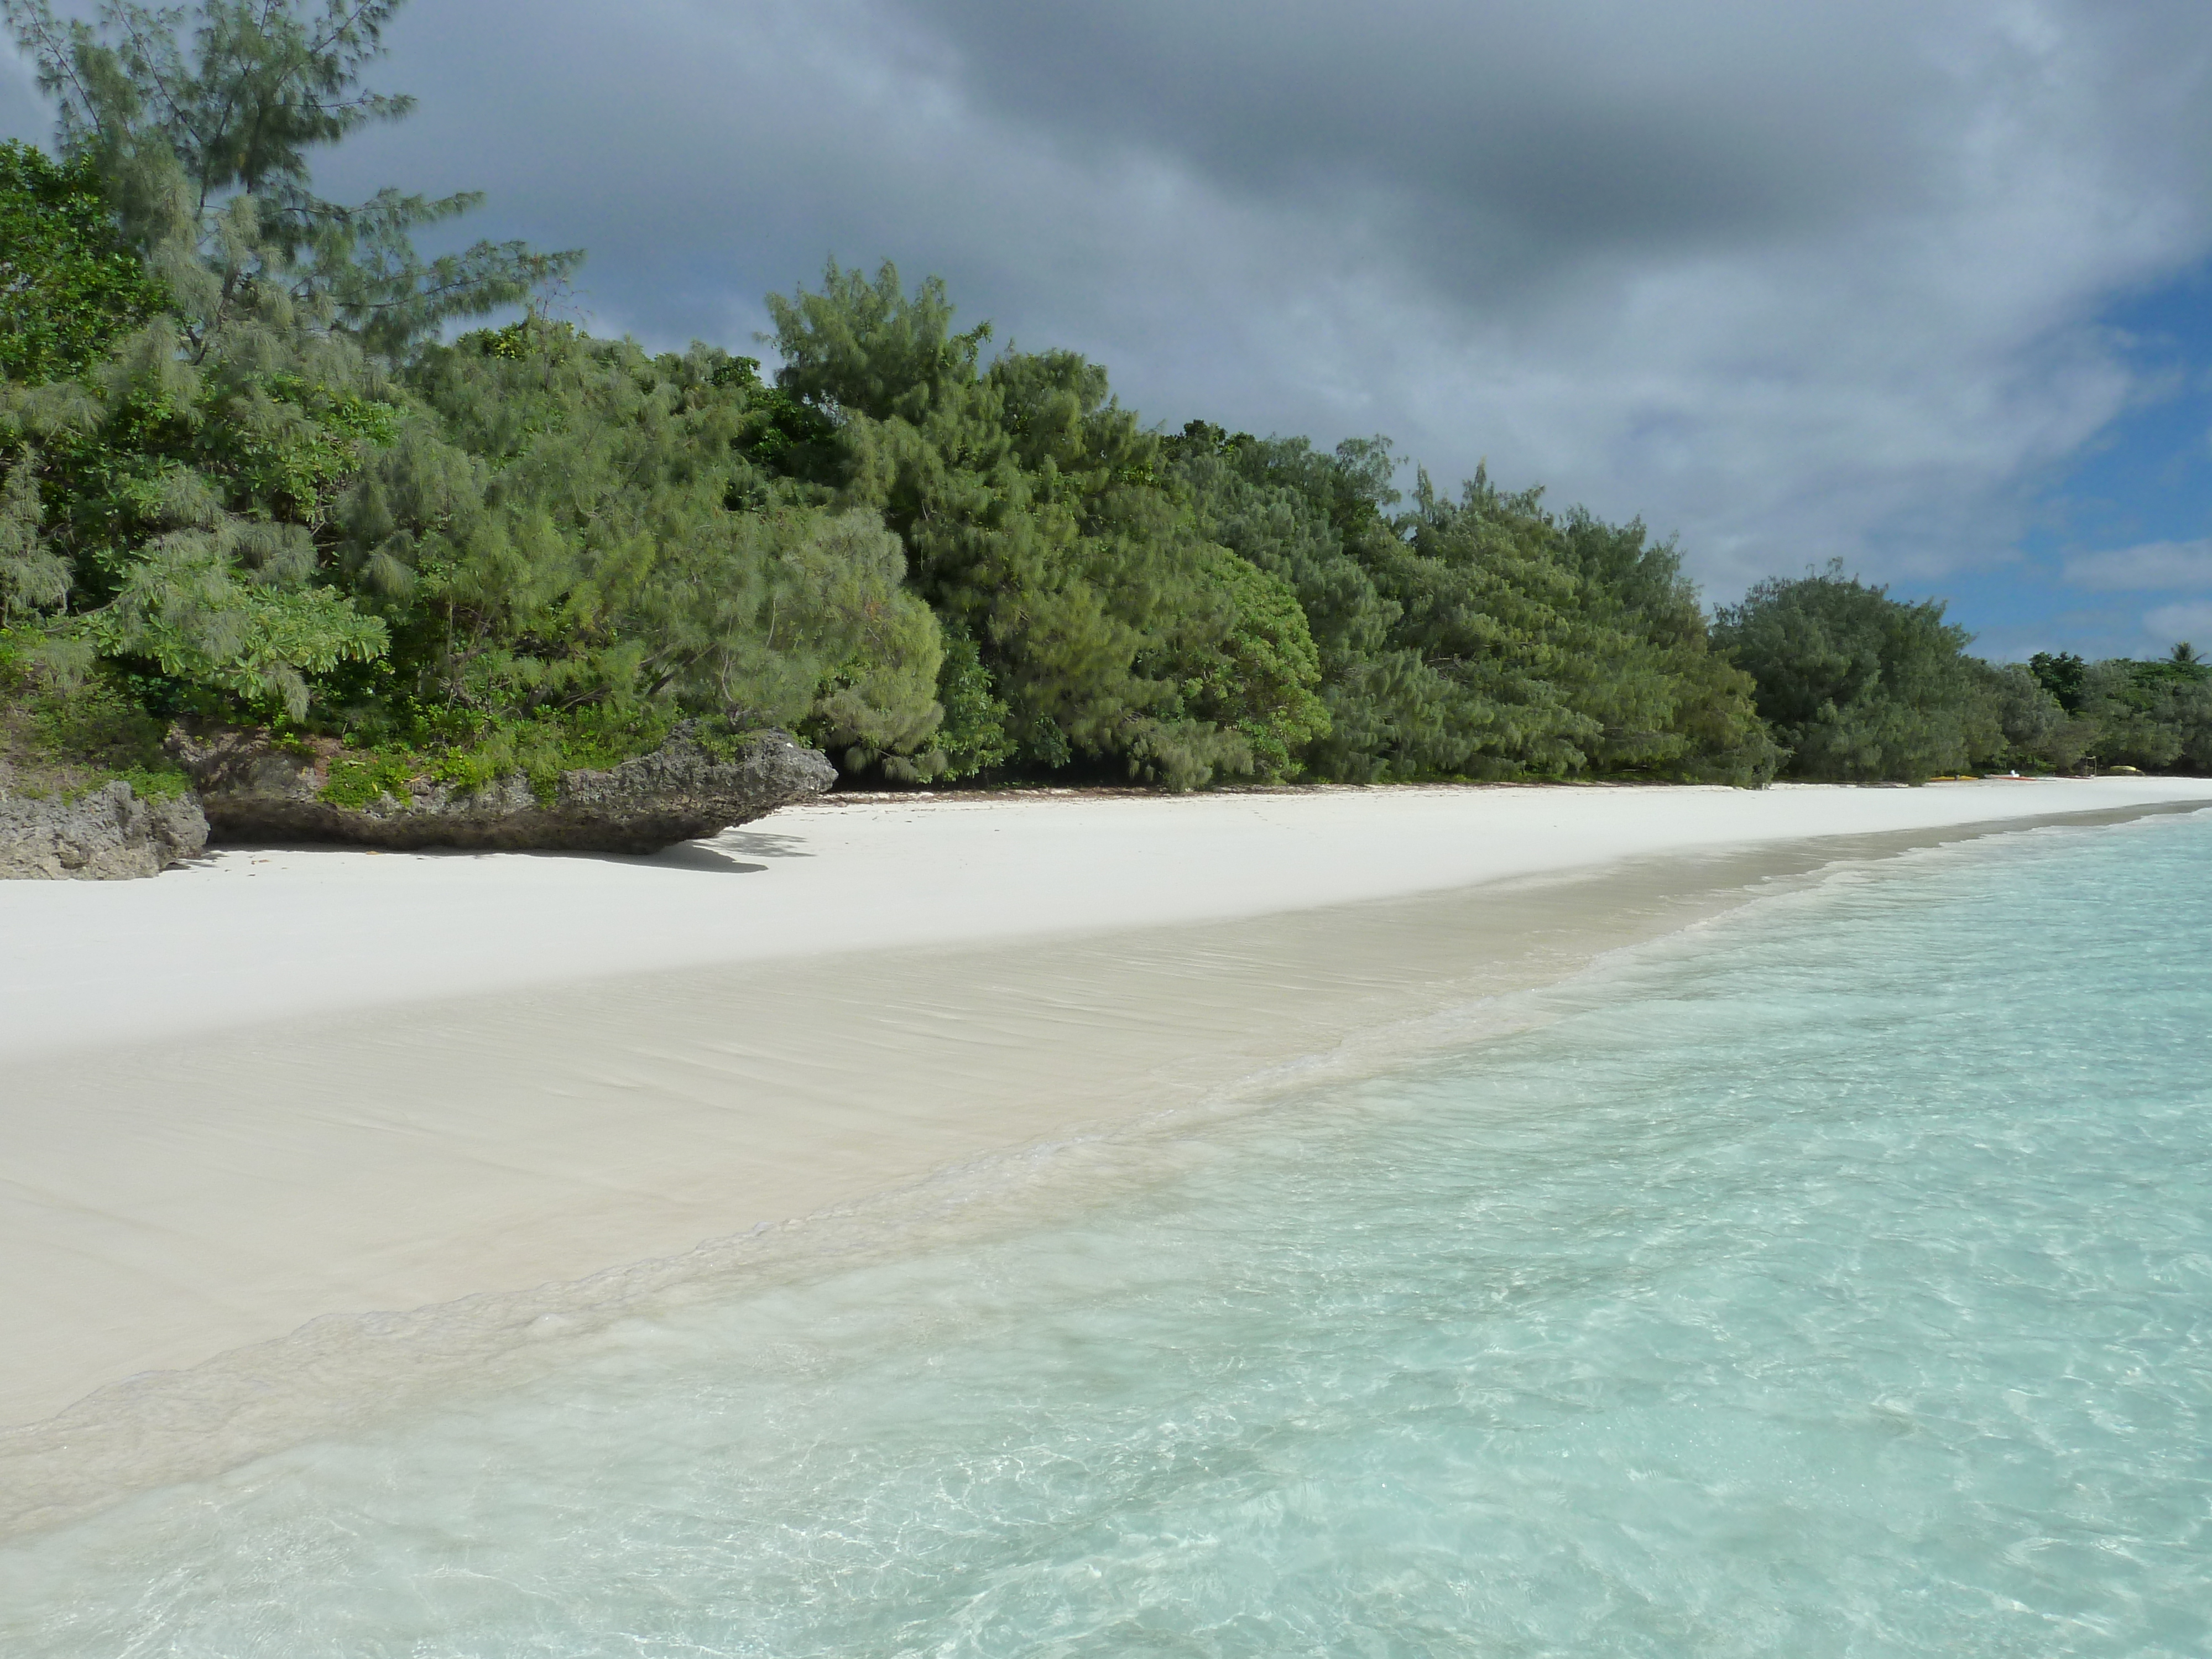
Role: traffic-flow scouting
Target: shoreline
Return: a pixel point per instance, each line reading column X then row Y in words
column 262, row 1186
column 251, row 935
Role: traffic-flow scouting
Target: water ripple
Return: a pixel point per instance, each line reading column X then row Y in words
column 1836, row 1283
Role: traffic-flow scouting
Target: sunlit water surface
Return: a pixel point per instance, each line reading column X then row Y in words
column 1836, row 1281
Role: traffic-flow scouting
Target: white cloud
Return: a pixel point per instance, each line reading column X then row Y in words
column 2180, row 621
column 2153, row 565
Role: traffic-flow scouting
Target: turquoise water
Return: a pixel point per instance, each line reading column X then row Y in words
column 1838, row 1281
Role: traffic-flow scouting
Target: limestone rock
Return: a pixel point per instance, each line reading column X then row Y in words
column 106, row 833
column 253, row 790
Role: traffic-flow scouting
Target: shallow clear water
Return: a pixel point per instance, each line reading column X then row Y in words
column 1836, row 1281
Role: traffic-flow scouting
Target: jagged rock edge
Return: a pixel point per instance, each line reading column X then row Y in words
column 251, row 789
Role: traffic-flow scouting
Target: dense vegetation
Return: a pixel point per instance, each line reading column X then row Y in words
column 251, row 475
column 1859, row 686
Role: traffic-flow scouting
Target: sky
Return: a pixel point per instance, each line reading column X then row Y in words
column 1924, row 285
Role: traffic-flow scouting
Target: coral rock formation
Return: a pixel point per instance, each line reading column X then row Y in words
column 104, row 834
column 253, row 789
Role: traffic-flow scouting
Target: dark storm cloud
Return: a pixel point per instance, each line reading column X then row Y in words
column 1554, row 128
column 1794, row 280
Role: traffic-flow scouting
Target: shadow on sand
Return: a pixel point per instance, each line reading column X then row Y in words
column 717, row 857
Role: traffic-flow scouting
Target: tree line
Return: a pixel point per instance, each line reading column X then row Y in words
column 252, row 474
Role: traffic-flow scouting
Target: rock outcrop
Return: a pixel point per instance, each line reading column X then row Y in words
column 106, row 833
column 253, row 790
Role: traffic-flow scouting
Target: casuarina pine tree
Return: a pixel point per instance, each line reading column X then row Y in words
column 186, row 483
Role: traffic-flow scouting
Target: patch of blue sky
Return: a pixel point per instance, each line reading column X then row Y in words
column 2118, row 558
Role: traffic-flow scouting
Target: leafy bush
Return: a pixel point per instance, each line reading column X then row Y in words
column 66, row 738
column 1859, row 686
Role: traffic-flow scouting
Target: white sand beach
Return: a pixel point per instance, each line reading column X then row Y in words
column 283, row 1085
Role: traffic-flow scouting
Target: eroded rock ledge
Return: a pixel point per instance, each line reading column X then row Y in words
column 253, row 790
column 106, row 833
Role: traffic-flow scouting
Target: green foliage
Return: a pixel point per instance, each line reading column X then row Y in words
column 1481, row 637
column 172, row 510
column 34, row 578
column 360, row 778
column 182, row 608
column 178, row 513
column 1670, row 705
column 973, row 738
column 1317, row 523
column 68, row 285
column 463, row 749
column 1859, row 686
column 69, row 738
column 2152, row 716
column 868, row 349
column 1261, row 684
column 1210, row 604
column 2042, row 732
column 570, row 525
column 200, row 120
column 1025, row 500
column 2064, row 676
column 2057, row 712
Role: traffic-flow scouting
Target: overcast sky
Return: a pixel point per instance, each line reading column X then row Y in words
column 1918, row 284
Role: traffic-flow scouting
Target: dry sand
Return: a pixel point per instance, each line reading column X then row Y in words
column 284, row 1086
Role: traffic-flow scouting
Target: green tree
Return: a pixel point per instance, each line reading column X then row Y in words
column 2040, row 732
column 68, row 286
column 572, row 541
column 1478, row 637
column 973, row 737
column 2155, row 716
column 1316, row 521
column 204, row 140
column 1489, row 606
column 33, row 579
column 1569, row 647
column 188, row 482
column 1258, row 679
column 1036, row 525
column 1860, row 686
column 1669, row 704
column 2064, row 675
